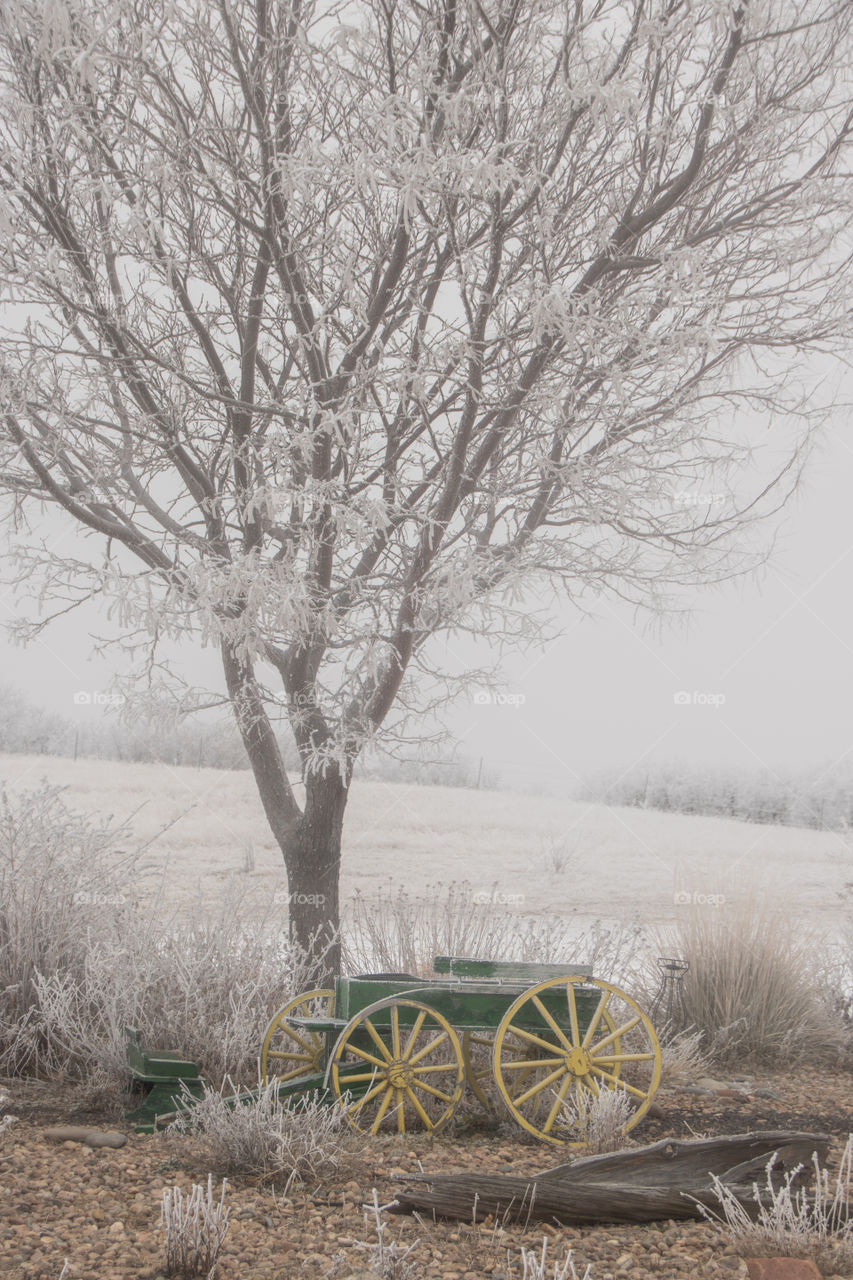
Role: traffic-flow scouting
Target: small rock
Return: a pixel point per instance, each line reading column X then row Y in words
column 116, row 1229
column 782, row 1269
column 70, row 1133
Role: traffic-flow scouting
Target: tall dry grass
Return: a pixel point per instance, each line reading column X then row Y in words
column 398, row 932
column 756, row 986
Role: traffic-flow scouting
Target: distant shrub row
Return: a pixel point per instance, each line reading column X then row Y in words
column 821, row 798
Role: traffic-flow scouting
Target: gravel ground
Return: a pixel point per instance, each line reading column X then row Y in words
column 99, row 1209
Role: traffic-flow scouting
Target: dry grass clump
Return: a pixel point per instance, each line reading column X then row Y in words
column 195, row 1229
column 754, row 989
column 794, row 1222
column 270, row 1137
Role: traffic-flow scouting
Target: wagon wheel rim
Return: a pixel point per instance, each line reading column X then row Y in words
column 288, row 1051
column 547, row 1054
column 399, row 1074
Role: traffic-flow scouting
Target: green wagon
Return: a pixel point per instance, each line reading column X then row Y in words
column 396, row 1051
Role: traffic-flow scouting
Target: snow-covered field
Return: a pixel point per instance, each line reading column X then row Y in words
column 532, row 854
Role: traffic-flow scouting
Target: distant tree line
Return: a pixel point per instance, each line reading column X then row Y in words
column 821, row 798
column 29, row 729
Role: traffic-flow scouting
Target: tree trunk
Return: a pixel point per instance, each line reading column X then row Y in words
column 309, row 839
column 312, row 855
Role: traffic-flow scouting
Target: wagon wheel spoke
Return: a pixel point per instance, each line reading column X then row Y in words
column 424, row 1118
column 530, row 1038
column 428, row 1088
column 573, row 1014
column 600, row 1040
column 526, row 1064
column 596, row 1018
column 377, row 1039
column 617, row 1032
column 289, row 1051
column 357, row 1107
column 380, row 1114
column 422, row 1053
column 538, row 1087
column 359, row 1077
column 622, row 1057
column 416, row 1030
column 367, row 1057
column 555, row 1026
column 417, row 1045
column 559, row 1100
column 616, row 1083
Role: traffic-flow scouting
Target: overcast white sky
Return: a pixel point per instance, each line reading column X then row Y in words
column 766, row 664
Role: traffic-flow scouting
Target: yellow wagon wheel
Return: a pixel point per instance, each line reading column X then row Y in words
column 397, row 1065
column 289, row 1051
column 565, row 1041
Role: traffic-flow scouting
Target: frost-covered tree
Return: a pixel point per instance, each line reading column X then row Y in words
column 339, row 326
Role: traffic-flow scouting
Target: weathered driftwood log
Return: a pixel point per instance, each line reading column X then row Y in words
column 667, row 1179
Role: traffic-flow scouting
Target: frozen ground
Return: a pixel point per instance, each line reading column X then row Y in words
column 532, row 854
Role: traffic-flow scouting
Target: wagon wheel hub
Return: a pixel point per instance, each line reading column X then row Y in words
column 400, row 1074
column 577, row 1062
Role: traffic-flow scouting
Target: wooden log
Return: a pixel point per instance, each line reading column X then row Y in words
column 668, row 1179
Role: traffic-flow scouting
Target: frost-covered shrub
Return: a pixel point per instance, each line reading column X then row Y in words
column 195, row 1228
column 792, row 1221
column 598, row 1120
column 269, row 1136
column 83, row 955
column 65, row 887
